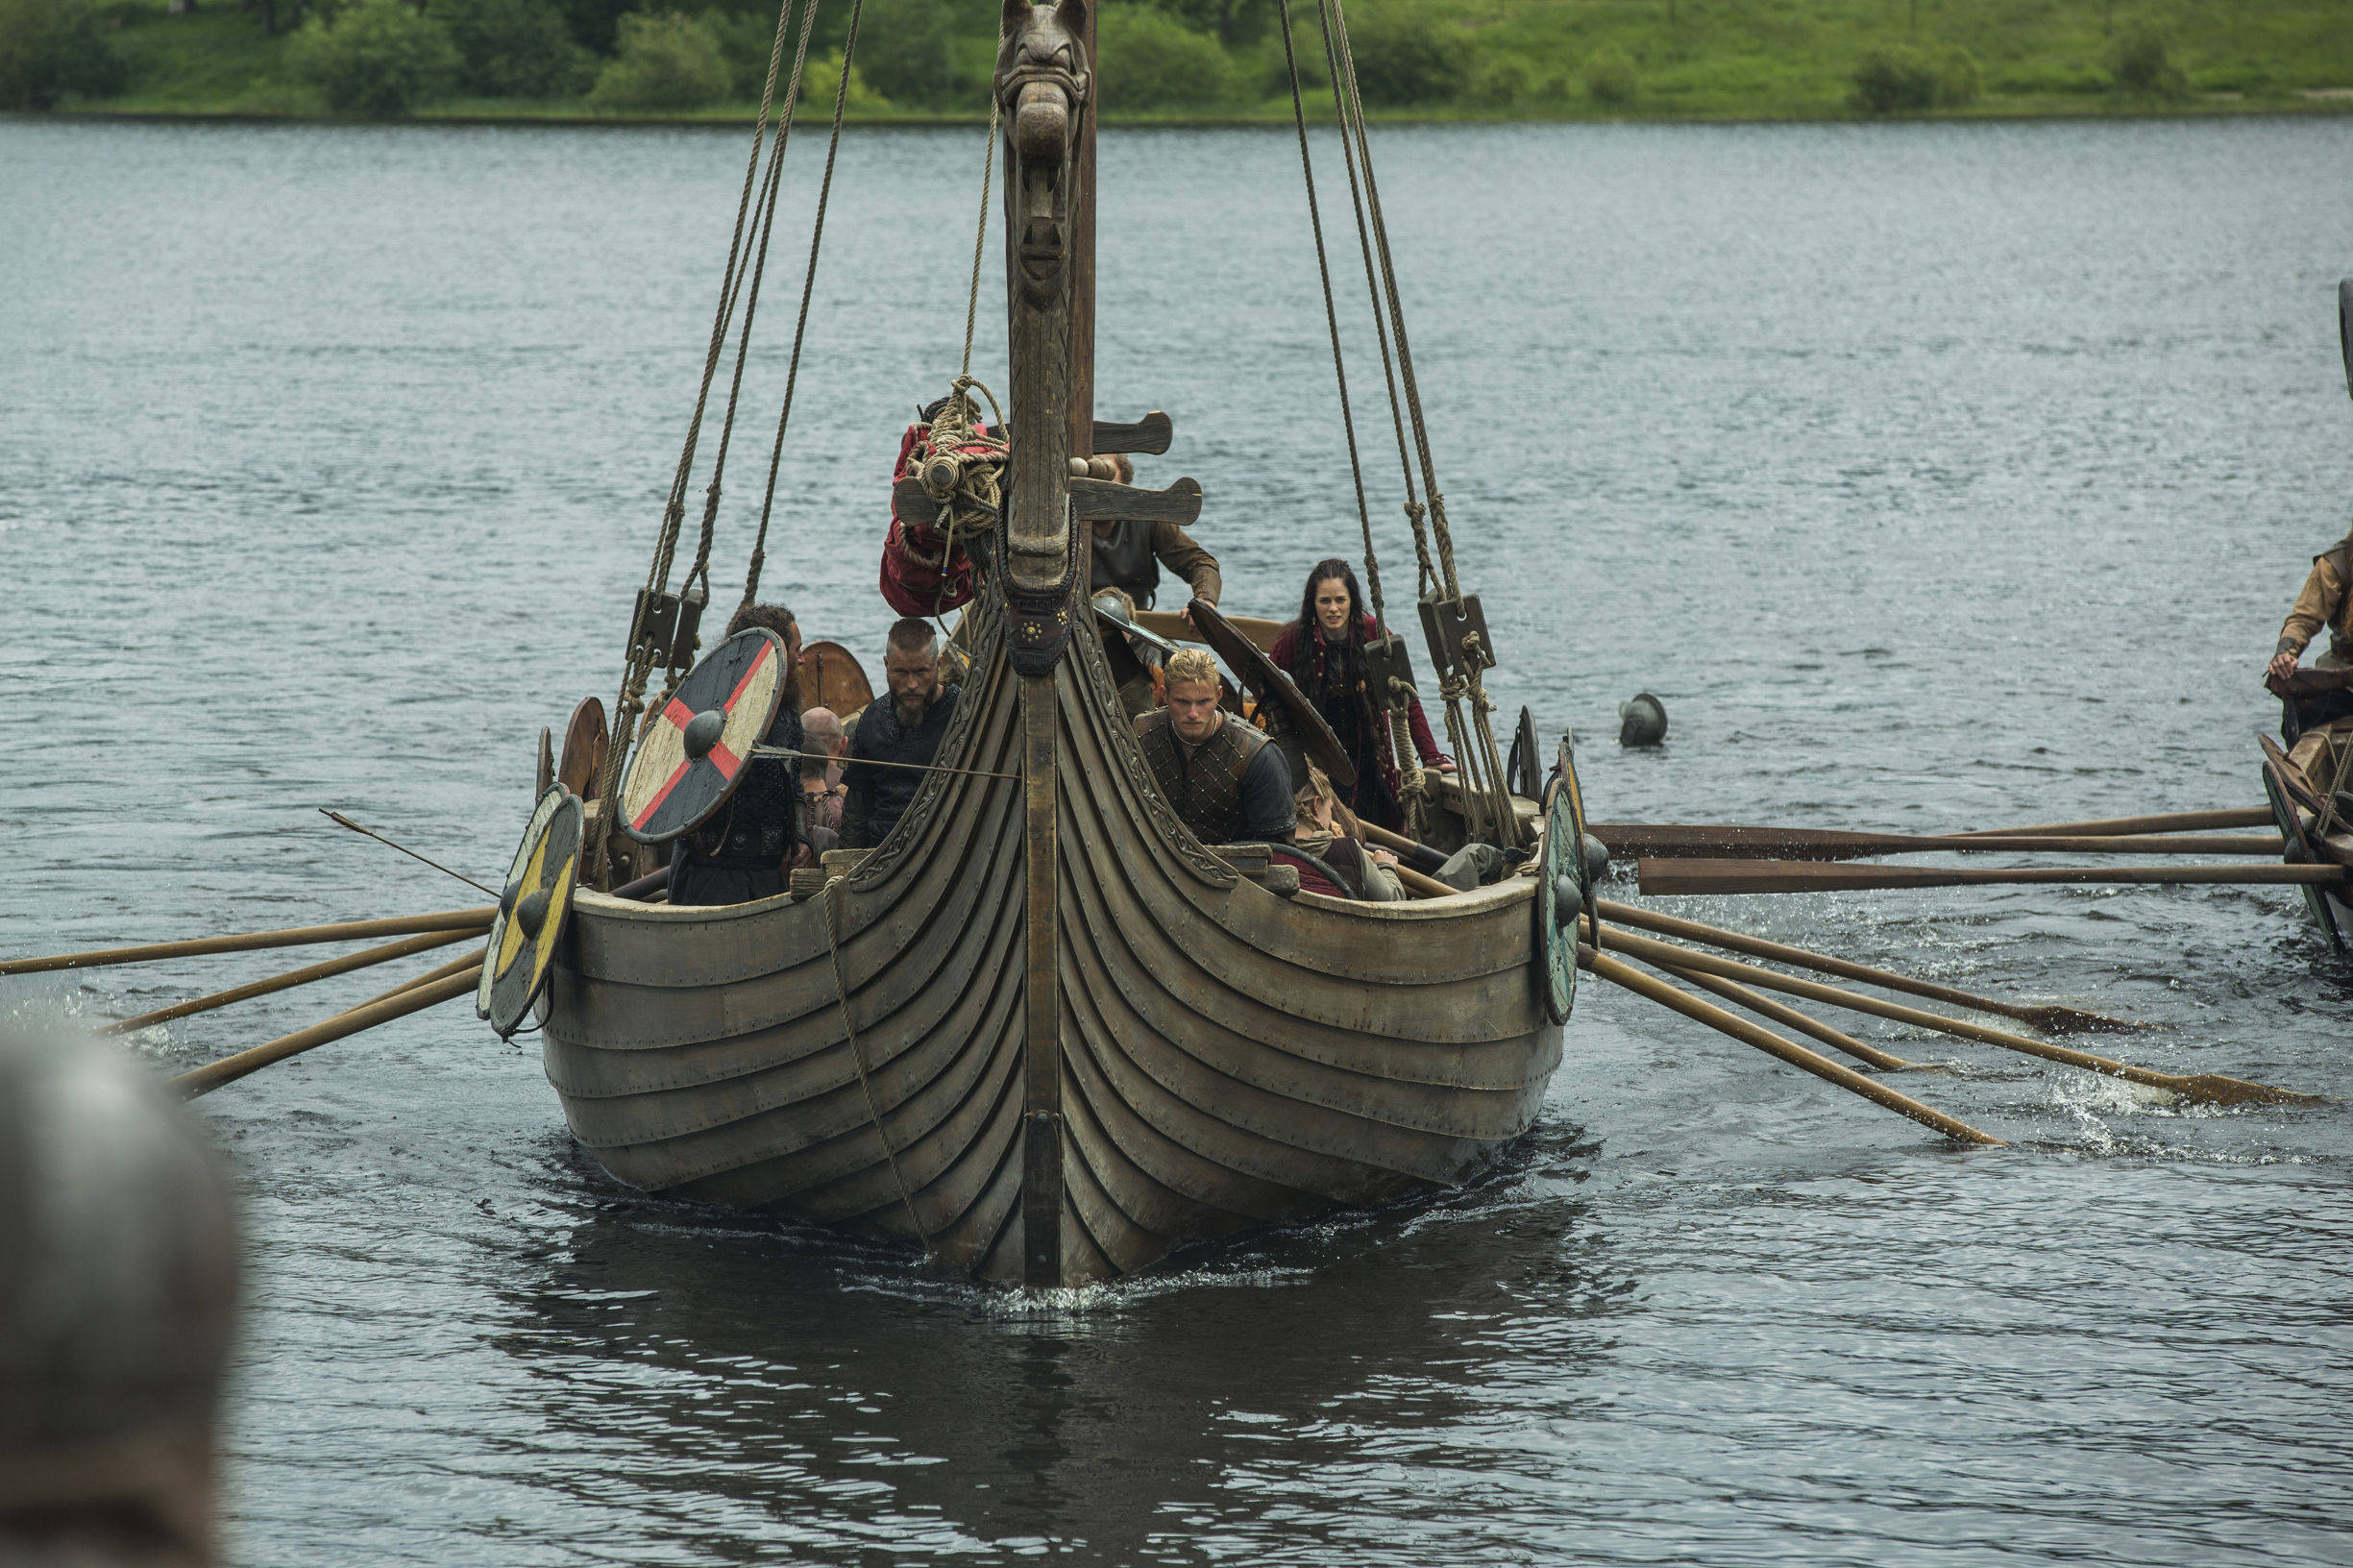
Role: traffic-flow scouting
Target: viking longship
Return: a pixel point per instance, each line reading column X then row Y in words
column 1041, row 1032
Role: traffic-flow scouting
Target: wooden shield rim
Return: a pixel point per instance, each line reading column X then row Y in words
column 809, row 688
column 582, row 758
column 2295, row 840
column 1558, row 981
column 1244, row 658
column 555, row 804
column 742, row 734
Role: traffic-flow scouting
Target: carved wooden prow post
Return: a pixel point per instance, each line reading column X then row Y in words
column 1045, row 81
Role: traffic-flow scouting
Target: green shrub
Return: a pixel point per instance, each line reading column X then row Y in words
column 1149, row 60
column 1900, row 80
column 2144, row 65
column 903, row 51
column 513, row 48
column 665, row 61
column 377, row 58
column 53, row 48
column 1308, row 47
column 821, row 78
column 1958, row 80
column 1610, row 78
column 1502, row 80
column 1404, row 56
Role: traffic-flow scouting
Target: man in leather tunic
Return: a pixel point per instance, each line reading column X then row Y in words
column 2326, row 722
column 905, row 729
column 1129, row 555
column 1227, row 781
column 744, row 850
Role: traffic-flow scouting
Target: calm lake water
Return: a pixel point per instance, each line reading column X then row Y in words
column 1936, row 476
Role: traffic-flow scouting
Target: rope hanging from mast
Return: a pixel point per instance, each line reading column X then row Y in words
column 1413, row 784
column 808, row 286
column 744, row 262
column 1458, row 650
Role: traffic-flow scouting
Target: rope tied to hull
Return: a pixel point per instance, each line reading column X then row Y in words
column 857, row 1058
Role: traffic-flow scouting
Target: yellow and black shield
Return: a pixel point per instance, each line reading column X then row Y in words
column 532, row 912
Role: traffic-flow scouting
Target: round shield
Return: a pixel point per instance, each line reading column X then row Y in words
column 693, row 752
column 2298, row 848
column 1564, row 888
column 831, row 677
column 532, row 912
column 581, row 762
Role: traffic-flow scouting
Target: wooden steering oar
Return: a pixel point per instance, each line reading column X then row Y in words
column 2210, row 1086
column 2042, row 1015
column 1765, row 1039
column 453, row 919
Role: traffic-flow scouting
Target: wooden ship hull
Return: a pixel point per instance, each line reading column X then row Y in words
column 2293, row 799
column 1192, row 1055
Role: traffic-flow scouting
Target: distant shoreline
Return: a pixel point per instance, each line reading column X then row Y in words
column 742, row 118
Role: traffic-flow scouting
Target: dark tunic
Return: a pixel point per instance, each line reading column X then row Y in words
column 1232, row 787
column 1333, row 676
column 740, row 853
column 879, row 797
column 1130, row 557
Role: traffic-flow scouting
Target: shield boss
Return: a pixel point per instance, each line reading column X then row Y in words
column 674, row 786
column 532, row 912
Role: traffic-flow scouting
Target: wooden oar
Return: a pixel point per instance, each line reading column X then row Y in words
column 2203, row 1085
column 2175, row 821
column 453, row 919
column 1676, row 839
column 1764, row 1006
column 1664, row 877
column 364, row 959
column 2042, row 1015
column 398, row 1004
column 456, row 966
column 1765, row 1039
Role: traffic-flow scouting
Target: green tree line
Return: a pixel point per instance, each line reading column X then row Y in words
column 1220, row 59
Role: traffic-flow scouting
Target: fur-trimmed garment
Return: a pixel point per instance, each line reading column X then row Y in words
column 1333, row 676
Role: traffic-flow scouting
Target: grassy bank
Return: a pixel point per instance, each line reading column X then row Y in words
column 1493, row 60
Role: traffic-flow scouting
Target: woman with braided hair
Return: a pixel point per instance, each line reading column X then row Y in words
column 1323, row 653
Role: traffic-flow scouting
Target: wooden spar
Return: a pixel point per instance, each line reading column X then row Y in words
column 1416, row 882
column 2204, row 1086
column 454, row 920
column 1421, row 854
column 2042, row 1015
column 1732, row 991
column 1172, row 625
column 364, row 959
column 2174, row 822
column 1765, row 1039
column 1677, row 840
column 1664, row 877
column 398, row 1005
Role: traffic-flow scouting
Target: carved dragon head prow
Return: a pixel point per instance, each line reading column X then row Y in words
column 1043, row 79
column 1043, row 76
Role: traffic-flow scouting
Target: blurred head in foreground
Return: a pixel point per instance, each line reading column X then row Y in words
column 118, row 1283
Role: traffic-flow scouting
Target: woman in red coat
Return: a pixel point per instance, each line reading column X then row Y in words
column 1323, row 653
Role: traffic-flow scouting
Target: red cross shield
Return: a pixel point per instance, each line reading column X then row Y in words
column 693, row 752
